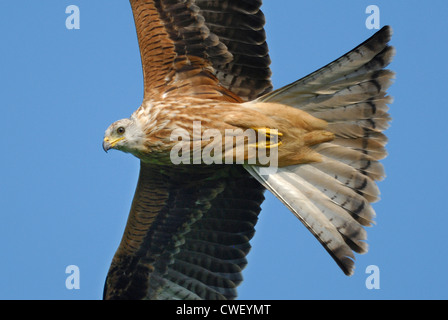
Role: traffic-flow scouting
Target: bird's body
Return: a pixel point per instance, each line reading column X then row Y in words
column 315, row 144
column 156, row 121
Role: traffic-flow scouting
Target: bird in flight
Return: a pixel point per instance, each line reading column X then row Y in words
column 206, row 74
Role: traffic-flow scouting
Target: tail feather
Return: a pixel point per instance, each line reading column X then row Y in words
column 328, row 187
column 358, row 160
column 350, row 177
column 309, row 214
column 344, row 97
column 373, row 53
column 374, row 148
column 359, row 128
column 332, row 197
column 371, row 109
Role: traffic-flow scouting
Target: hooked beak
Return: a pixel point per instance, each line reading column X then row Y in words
column 106, row 144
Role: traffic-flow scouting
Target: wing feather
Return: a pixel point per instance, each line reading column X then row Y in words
column 214, row 49
column 187, row 234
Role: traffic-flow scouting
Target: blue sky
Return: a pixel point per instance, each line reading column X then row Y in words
column 65, row 202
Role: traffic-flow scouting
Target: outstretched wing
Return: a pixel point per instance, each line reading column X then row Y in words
column 188, row 230
column 210, row 49
column 187, row 235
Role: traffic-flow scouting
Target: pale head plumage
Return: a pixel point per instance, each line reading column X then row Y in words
column 125, row 135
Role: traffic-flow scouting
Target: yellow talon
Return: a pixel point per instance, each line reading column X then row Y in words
column 267, row 132
column 276, row 145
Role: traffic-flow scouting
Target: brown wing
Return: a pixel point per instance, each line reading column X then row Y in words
column 240, row 27
column 188, row 231
column 187, row 234
column 210, row 49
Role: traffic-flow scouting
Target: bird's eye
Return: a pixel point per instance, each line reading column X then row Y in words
column 120, row 130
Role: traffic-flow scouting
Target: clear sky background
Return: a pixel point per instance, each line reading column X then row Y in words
column 63, row 201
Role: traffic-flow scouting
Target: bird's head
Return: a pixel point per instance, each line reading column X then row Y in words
column 124, row 135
